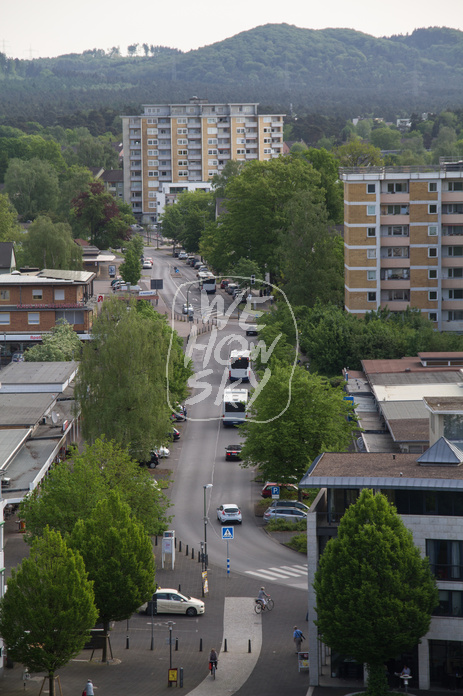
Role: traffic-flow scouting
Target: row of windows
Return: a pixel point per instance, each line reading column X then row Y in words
column 404, row 273
column 33, row 318
column 37, row 294
column 402, row 186
column 404, row 231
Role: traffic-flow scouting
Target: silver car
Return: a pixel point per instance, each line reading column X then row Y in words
column 284, row 513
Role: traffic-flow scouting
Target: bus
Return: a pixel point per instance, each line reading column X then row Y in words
column 239, row 365
column 234, row 406
column 207, row 282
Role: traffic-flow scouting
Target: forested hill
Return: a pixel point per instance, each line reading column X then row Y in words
column 341, row 71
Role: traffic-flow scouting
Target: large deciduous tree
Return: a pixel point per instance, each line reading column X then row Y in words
column 294, row 418
column 60, row 345
column 101, row 215
column 130, row 268
column 122, row 387
column 358, row 154
column 9, row 228
column 48, row 609
column 73, row 488
column 50, row 244
column 375, row 593
column 187, row 219
column 32, row 186
column 118, row 557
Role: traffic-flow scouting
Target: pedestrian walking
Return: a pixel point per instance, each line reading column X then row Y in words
column 88, row 691
column 298, row 637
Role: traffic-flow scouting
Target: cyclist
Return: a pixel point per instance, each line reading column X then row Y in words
column 262, row 597
column 213, row 659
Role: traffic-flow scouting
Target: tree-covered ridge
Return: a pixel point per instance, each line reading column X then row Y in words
column 275, row 64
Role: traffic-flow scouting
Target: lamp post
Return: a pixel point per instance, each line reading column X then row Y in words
column 205, row 487
column 170, row 625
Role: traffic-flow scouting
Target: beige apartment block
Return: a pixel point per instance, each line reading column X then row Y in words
column 403, row 235
column 170, row 148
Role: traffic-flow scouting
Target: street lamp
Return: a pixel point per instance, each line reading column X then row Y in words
column 170, row 624
column 208, row 485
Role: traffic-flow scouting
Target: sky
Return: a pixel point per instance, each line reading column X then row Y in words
column 32, row 29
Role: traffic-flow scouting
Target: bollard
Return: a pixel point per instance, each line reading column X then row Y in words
column 192, row 553
column 181, row 677
column 179, row 587
column 155, row 541
column 127, row 643
column 186, row 550
column 225, row 645
column 200, row 645
column 199, row 557
column 249, row 645
column 175, row 542
column 176, row 644
column 180, row 547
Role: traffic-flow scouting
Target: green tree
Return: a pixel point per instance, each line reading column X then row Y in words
column 294, row 418
column 375, row 593
column 32, row 186
column 358, row 154
column 118, row 557
column 328, row 167
column 133, row 408
column 73, row 488
column 130, row 268
column 49, row 244
column 72, row 181
column 61, row 345
column 386, row 138
column 48, row 609
column 219, row 181
column 9, row 228
column 101, row 215
column 312, row 254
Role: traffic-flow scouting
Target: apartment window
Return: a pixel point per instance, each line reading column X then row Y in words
column 371, row 188
column 456, row 315
column 241, row 141
column 212, row 120
column 241, row 130
column 241, row 152
column 182, row 141
column 371, row 297
column 152, row 184
column 397, row 252
column 267, row 140
column 151, row 120
column 452, row 208
column 33, row 318
column 212, row 173
column 397, row 188
column 152, row 153
column 151, row 204
column 37, row 293
column 4, row 294
column 432, row 187
column 183, row 172
column 456, row 294
column 153, row 163
column 211, row 131
column 455, row 185
column 181, row 120
column 432, row 209
column 183, row 163
column 396, row 210
column 4, row 318
column 212, row 141
column 371, row 253
column 371, row 210
column 395, row 295
column 432, row 252
column 455, row 251
column 455, row 273
column 212, row 152
column 433, row 230
column 212, row 163
column 182, row 131
column 432, row 273
column 432, row 295
column 445, row 558
column 267, row 150
column 397, row 231
column 152, row 142
column 182, row 153
column 453, row 230
column 153, row 172
column 371, row 231
column 267, row 119
column 432, row 316
column 152, row 131
column 59, row 294
column 450, row 603
column 151, row 194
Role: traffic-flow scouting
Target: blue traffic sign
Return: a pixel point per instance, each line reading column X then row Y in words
column 275, row 491
column 227, row 533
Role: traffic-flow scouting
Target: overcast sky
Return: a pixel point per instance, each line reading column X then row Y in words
column 32, row 29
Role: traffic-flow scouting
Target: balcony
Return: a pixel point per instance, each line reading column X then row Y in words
column 395, row 305
column 452, row 304
column 395, row 198
column 452, row 219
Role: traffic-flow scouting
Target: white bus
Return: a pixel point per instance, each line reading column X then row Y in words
column 234, row 406
column 239, row 365
column 207, row 282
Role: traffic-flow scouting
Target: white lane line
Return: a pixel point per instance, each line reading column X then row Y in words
column 269, row 575
column 302, row 567
column 295, row 569
column 285, row 569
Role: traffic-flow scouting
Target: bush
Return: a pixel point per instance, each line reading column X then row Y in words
column 283, row 526
column 299, row 543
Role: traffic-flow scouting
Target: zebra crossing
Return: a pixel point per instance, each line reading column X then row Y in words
column 283, row 572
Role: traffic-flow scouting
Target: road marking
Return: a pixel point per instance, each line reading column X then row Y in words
column 267, row 574
column 279, row 573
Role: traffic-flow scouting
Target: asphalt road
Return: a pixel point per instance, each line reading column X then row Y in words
column 201, row 457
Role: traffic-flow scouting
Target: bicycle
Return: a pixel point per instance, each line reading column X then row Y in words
column 213, row 669
column 260, row 606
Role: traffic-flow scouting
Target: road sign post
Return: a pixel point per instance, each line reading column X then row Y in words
column 275, row 492
column 228, row 533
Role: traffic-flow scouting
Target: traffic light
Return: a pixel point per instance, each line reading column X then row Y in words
column 253, row 279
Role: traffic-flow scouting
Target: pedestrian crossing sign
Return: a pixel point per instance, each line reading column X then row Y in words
column 227, row 533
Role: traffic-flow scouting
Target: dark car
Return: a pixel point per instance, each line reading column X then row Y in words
column 233, row 452
column 224, row 283
column 175, row 434
column 152, row 462
column 179, row 414
column 252, row 330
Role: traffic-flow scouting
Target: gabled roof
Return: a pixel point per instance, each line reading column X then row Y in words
column 442, row 452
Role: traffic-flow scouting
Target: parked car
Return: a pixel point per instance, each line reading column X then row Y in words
column 252, row 330
column 288, row 514
column 267, row 489
column 175, row 435
column 197, row 264
column 233, row 452
column 162, row 452
column 17, row 357
column 224, row 283
column 289, row 504
column 152, row 462
column 231, row 287
column 183, row 255
column 179, row 414
column 114, row 281
column 188, row 308
column 169, row 601
column 148, row 258
column 229, row 512
column 147, row 265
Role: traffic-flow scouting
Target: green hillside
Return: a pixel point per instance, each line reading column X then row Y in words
column 341, row 71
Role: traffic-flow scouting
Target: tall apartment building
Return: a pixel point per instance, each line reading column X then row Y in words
column 403, row 234
column 171, row 148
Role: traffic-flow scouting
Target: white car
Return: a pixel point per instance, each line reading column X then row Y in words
column 169, row 601
column 147, row 264
column 162, row 452
column 183, row 255
column 188, row 309
column 287, row 514
column 229, row 512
